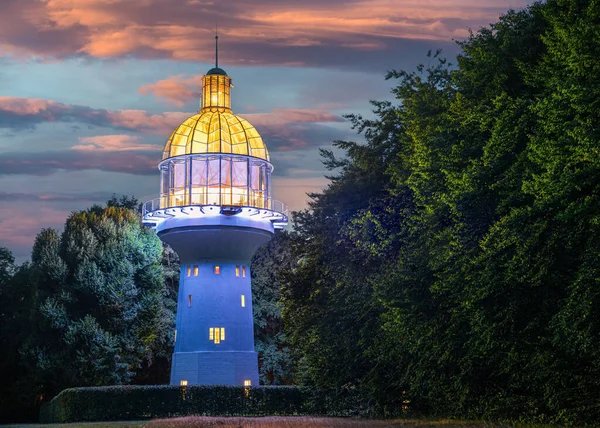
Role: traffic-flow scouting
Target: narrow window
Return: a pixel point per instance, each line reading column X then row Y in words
column 189, row 271
column 175, row 338
column 237, row 271
column 183, row 382
column 244, row 271
column 211, row 334
column 189, row 301
column 217, row 335
column 243, row 301
column 217, row 270
column 247, row 383
column 196, row 270
column 222, row 333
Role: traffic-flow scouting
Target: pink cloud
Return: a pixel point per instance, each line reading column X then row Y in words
column 115, row 143
column 20, row 224
column 283, row 116
column 182, row 30
column 28, row 112
column 140, row 120
column 283, row 129
column 177, row 90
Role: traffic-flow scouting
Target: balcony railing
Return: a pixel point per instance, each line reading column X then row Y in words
column 158, row 209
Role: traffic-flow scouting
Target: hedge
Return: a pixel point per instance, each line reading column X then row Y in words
column 141, row 402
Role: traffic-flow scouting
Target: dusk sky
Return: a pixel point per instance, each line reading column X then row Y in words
column 91, row 89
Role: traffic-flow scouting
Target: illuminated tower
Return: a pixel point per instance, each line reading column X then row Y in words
column 215, row 210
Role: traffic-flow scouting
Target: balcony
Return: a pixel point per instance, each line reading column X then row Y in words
column 157, row 210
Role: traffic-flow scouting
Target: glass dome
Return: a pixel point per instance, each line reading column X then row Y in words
column 216, row 132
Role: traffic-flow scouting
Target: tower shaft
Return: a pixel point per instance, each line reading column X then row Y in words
column 215, row 328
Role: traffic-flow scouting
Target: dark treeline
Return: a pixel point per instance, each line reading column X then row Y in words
column 96, row 306
column 454, row 260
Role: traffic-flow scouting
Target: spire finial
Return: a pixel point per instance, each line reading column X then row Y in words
column 217, row 44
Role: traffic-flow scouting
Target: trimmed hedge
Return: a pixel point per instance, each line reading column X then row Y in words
column 141, row 402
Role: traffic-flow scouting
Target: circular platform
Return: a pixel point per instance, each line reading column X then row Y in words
column 154, row 213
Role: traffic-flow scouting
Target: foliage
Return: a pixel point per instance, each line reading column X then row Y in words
column 7, row 267
column 92, row 308
column 275, row 357
column 139, row 402
column 454, row 260
column 19, row 394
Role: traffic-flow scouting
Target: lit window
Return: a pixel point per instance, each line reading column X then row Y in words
column 216, row 334
column 217, row 270
column 196, row 270
column 183, row 382
column 243, row 301
column 244, row 271
column 190, row 301
column 247, row 383
column 175, row 338
column 237, row 271
column 189, row 271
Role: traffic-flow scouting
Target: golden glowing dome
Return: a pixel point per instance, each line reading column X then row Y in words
column 214, row 131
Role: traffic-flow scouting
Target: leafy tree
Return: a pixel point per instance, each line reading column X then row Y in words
column 453, row 259
column 276, row 358
column 7, row 262
column 19, row 395
column 103, row 309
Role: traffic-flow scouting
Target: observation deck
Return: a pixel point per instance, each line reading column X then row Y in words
column 158, row 210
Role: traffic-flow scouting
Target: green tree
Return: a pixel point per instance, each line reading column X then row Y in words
column 19, row 393
column 276, row 359
column 454, row 256
column 7, row 265
column 103, row 309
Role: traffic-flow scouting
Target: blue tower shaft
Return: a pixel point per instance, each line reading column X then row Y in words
column 215, row 329
column 214, row 339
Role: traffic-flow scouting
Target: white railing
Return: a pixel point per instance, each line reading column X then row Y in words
column 212, row 199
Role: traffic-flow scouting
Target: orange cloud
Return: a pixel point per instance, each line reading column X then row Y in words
column 177, row 90
column 115, row 143
column 182, row 30
column 282, row 116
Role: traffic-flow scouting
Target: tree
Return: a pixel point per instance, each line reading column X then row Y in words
column 103, row 309
column 19, row 395
column 276, row 359
column 7, row 267
column 453, row 259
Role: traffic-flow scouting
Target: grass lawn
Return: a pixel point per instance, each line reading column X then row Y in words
column 297, row 422
column 264, row 422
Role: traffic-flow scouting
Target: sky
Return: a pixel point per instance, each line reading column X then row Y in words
column 91, row 89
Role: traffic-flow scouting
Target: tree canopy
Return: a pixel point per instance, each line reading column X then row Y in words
column 454, row 260
column 92, row 307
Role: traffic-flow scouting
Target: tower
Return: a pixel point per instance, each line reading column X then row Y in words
column 215, row 210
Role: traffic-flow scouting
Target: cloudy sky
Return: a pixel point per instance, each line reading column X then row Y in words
column 90, row 89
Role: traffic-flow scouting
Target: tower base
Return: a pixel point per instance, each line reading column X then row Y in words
column 215, row 368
